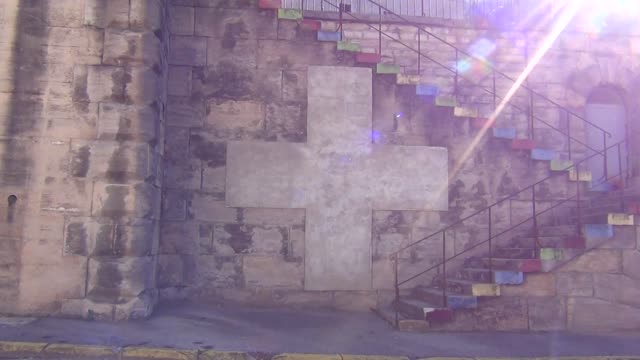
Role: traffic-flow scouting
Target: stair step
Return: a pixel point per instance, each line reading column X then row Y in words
column 560, row 165
column 479, row 123
column 368, row 58
column 460, row 111
column 348, row 46
column 388, row 69
column 270, row 4
column 413, row 308
column 469, row 287
column 557, row 230
column 604, row 188
column 633, row 208
column 617, row 219
column 523, row 144
column 505, row 277
column 504, row 133
column 447, row 101
column 523, row 265
column 427, row 90
column 407, row 79
column 582, row 175
column 331, row 36
column 597, row 231
column 515, row 253
column 289, row 14
column 551, row 254
column 388, row 314
column 310, row 25
column 435, row 297
column 543, row 154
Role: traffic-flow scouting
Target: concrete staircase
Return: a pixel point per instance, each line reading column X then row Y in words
column 433, row 306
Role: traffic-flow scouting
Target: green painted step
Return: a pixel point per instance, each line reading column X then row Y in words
column 388, row 69
column 448, row 101
column 348, row 46
column 289, row 14
column 561, row 165
column 550, row 254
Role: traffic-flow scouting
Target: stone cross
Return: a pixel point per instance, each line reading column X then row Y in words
column 339, row 176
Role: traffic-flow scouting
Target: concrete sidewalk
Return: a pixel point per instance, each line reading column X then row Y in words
column 274, row 331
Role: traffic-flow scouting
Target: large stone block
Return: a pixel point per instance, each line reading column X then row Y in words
column 235, row 115
column 183, row 173
column 115, row 162
column 188, row 50
column 501, row 313
column 146, row 15
column 107, row 13
column 631, row 263
column 181, row 20
column 294, row 86
column 547, row 313
column 228, row 80
column 127, row 122
column 617, row 288
column 85, row 38
column 231, row 25
column 216, row 272
column 262, row 271
column 145, row 86
column 64, row 195
column 126, row 47
column 70, row 119
column 534, row 285
column 290, row 55
column 117, row 200
column 207, row 207
column 179, row 82
column 594, row 314
column 99, row 83
column 574, row 284
column 67, row 13
column 232, row 239
column 104, row 237
column 114, row 280
column 596, row 261
column 273, row 216
column 179, row 237
column 241, row 52
column 174, row 204
column 182, row 111
column 355, row 300
column 202, row 147
column 286, row 122
column 214, row 180
column 171, row 270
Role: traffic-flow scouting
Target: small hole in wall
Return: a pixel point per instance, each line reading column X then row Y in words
column 12, row 199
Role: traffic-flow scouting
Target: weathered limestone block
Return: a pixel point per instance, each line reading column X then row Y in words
column 574, row 284
column 117, row 279
column 214, row 179
column 115, row 162
column 260, row 271
column 232, row 25
column 144, row 86
column 181, row 20
column 104, row 237
column 355, row 300
column 210, row 272
column 64, row 195
column 595, row 314
column 127, row 122
column 70, row 119
column 235, row 115
column 631, row 263
column 286, row 122
column 229, row 80
column 617, row 288
column 83, row 38
column 146, row 15
column 99, row 83
column 182, row 174
column 182, row 111
column 117, row 200
column 547, row 313
column 188, row 50
column 261, row 216
column 202, row 147
column 289, row 55
column 174, row 204
column 179, row 82
column 294, row 86
column 87, row 309
column 534, row 285
column 75, row 55
column 67, row 13
column 242, row 52
column 171, row 270
column 502, row 313
column 126, row 47
column 382, row 273
column 207, row 207
column 232, row 239
column 179, row 237
column 139, row 307
column 596, row 261
column 386, row 243
column 107, row 13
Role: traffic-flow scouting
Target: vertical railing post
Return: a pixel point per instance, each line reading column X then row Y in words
column 622, row 179
column 419, row 51
column 302, row 8
column 531, row 116
column 444, row 269
column 568, row 133
column 455, row 83
column 578, row 202
column 380, row 30
column 535, row 218
column 397, row 288
column 605, row 155
column 340, row 10
column 495, row 91
column 490, row 247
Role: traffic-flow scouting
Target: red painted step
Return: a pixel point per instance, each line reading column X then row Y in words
column 479, row 123
column 310, row 25
column 575, row 242
column 440, row 315
column 368, row 58
column 523, row 144
column 270, row 4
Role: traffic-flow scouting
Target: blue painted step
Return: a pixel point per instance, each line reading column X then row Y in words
column 598, row 231
column 427, row 89
column 504, row 133
column 329, row 36
column 604, row 187
column 503, row 277
column 462, row 302
column 543, row 154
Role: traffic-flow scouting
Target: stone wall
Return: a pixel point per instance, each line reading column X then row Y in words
column 81, row 102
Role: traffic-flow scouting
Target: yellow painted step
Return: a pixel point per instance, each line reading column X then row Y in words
column 485, row 290
column 460, row 111
column 404, row 79
column 620, row 219
column 584, row 175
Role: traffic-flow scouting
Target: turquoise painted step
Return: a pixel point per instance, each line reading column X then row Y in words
column 329, row 36
column 427, row 89
column 504, row 133
column 560, row 165
column 462, row 302
column 348, row 46
column 598, row 231
column 543, row 154
column 387, row 69
column 289, row 14
column 503, row 277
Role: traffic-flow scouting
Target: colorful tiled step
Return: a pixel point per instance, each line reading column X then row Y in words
column 598, row 231
column 413, row 308
column 439, row 315
column 310, row 25
column 604, row 187
column 523, row 265
column 620, row 219
column 407, row 79
column 523, row 144
column 388, row 69
column 557, row 231
column 515, row 253
column 462, row 302
column 633, row 208
column 504, row 133
column 368, row 58
column 485, row 290
column 575, row 242
column 460, row 111
column 582, row 175
column 468, row 287
column 503, row 277
column 543, row 154
column 560, row 165
column 435, row 296
column 270, row 4
column 289, row 14
column 332, row 36
column 550, row 254
column 448, row 101
column 348, row 46
column 479, row 123
column 427, row 90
